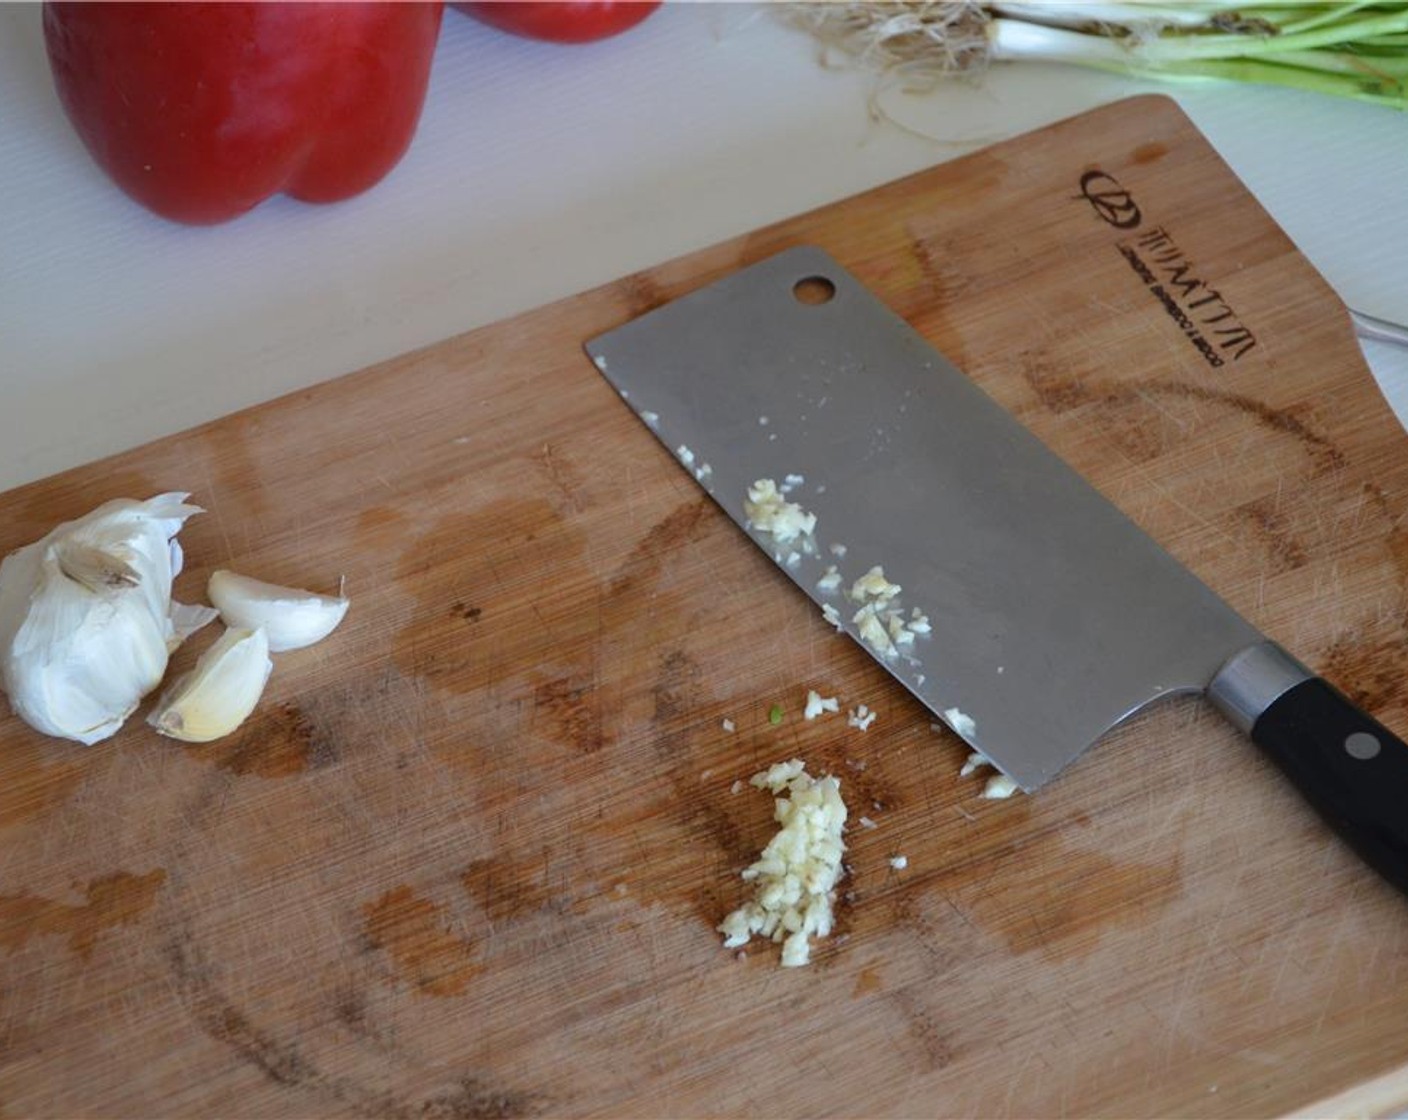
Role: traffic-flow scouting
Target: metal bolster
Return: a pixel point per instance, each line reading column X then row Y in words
column 1252, row 680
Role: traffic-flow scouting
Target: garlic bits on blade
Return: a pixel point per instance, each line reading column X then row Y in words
column 86, row 618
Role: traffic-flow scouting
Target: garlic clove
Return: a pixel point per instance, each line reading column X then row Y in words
column 93, row 568
column 217, row 695
column 291, row 618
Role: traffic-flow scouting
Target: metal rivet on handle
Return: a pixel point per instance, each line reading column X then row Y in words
column 1362, row 745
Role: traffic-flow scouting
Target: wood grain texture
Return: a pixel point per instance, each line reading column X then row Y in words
column 467, row 858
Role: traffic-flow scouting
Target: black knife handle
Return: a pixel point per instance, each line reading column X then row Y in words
column 1352, row 768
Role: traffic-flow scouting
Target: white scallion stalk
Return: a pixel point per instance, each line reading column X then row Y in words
column 1352, row 49
column 1012, row 40
column 1189, row 14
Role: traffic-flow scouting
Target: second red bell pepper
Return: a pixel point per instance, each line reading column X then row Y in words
column 200, row 111
column 560, row 21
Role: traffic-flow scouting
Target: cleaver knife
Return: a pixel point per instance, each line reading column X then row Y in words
column 1051, row 616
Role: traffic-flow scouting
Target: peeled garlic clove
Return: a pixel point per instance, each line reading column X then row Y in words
column 217, row 695
column 291, row 618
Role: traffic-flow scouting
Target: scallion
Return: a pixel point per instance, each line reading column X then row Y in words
column 1356, row 48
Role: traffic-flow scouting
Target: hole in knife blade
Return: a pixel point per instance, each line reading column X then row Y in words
column 814, row 290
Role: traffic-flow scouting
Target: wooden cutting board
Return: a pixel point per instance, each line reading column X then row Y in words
column 468, row 857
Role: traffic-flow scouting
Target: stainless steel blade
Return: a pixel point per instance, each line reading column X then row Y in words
column 1054, row 616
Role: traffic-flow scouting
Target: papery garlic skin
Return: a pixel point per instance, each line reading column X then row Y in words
column 86, row 618
column 217, row 695
column 291, row 618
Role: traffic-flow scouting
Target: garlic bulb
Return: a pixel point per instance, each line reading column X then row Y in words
column 86, row 617
column 217, row 695
column 291, row 618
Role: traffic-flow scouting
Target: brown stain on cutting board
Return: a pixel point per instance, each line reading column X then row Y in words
column 289, row 1064
column 1034, row 887
column 415, row 935
column 1303, row 504
column 516, row 599
column 118, row 899
column 1058, row 392
column 1398, row 539
column 470, row 1098
column 676, row 696
column 942, row 285
column 1149, row 152
column 32, row 783
column 281, row 1062
column 278, row 741
column 1134, row 433
column 687, row 873
column 567, row 710
column 1040, row 884
column 381, row 529
column 1062, row 903
column 930, row 1042
column 473, row 549
column 466, row 611
column 867, row 981
column 1291, row 421
column 351, row 1007
column 510, row 889
column 503, row 567
column 1284, row 550
column 1366, row 669
column 939, row 939
column 685, row 523
column 325, row 725
column 564, row 478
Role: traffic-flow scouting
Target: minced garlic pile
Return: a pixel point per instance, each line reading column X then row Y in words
column 797, row 872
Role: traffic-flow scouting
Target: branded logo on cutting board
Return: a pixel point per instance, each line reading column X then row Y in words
column 1108, row 199
column 1198, row 309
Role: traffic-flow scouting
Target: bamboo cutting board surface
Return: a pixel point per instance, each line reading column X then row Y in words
column 467, row 858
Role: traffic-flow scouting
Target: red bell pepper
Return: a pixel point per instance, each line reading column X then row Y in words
column 560, row 21
column 200, row 111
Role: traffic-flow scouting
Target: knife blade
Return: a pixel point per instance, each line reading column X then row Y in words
column 1052, row 617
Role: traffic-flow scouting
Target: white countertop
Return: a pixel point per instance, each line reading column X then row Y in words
column 539, row 171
